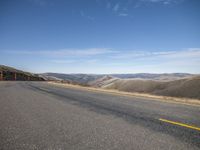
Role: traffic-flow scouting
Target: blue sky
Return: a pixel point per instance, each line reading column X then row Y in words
column 101, row 36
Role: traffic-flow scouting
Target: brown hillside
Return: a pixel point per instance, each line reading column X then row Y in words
column 189, row 87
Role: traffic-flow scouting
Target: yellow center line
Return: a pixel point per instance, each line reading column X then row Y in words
column 180, row 124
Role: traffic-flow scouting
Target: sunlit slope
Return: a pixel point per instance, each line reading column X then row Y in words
column 189, row 87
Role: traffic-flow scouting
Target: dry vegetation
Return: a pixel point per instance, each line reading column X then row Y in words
column 188, row 88
column 182, row 88
column 186, row 101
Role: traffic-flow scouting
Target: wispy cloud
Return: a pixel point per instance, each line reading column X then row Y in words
column 110, row 53
column 39, row 2
column 166, row 2
column 92, row 61
column 122, row 8
column 123, row 14
column 104, row 60
column 89, row 61
column 64, row 52
column 188, row 53
column 116, row 7
column 82, row 13
column 160, row 1
column 187, row 60
column 63, row 61
column 108, row 5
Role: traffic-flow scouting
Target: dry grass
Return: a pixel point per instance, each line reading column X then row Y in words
column 185, row 101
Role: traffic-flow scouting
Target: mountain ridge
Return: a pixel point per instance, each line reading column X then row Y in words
column 167, row 84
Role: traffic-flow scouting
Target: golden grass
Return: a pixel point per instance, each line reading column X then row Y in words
column 185, row 101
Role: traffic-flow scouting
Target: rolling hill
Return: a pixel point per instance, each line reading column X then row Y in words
column 188, row 87
column 88, row 78
column 175, row 85
column 10, row 73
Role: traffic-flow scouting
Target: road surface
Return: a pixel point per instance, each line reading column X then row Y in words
column 37, row 115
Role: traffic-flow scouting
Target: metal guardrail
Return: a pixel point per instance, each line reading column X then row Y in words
column 1, row 75
column 15, row 76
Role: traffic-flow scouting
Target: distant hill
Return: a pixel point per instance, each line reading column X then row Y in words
column 83, row 79
column 10, row 73
column 188, row 87
column 50, row 78
column 102, row 81
column 150, row 76
column 88, row 78
column 175, row 84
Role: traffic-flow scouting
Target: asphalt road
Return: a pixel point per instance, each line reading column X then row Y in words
column 37, row 115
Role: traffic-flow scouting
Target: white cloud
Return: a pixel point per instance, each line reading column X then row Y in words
column 188, row 53
column 123, row 14
column 63, row 61
column 166, row 3
column 103, row 60
column 82, row 13
column 108, row 5
column 109, row 53
column 155, row 1
column 64, row 52
column 92, row 61
column 187, row 60
column 162, row 1
column 39, row 2
column 116, row 7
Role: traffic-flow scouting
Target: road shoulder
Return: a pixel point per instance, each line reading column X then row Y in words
column 165, row 99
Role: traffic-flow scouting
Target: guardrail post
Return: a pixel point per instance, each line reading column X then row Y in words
column 15, row 76
column 1, row 75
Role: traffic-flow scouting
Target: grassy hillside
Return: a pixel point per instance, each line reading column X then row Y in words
column 175, row 84
column 102, row 81
column 92, row 78
column 153, row 76
column 189, row 87
column 82, row 79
